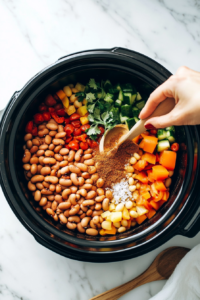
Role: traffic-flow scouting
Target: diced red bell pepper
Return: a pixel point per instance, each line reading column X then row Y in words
column 35, row 131
column 77, row 132
column 42, row 108
column 74, row 145
column 94, row 144
column 50, row 101
column 61, row 112
column 74, row 117
column 51, row 109
column 157, row 157
column 68, row 139
column 58, row 106
column 69, row 128
column 29, row 127
column 81, row 138
column 89, row 141
column 67, row 146
column 76, row 123
column 46, row 115
column 153, row 131
column 83, row 146
column 38, row 118
column 58, row 119
column 175, row 147
column 67, row 121
column 101, row 129
column 85, row 127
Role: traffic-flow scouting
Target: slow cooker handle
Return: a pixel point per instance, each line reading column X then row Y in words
column 192, row 230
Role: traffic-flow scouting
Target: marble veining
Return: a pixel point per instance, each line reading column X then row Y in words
column 36, row 33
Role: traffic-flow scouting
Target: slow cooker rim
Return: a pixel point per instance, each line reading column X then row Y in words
column 21, row 95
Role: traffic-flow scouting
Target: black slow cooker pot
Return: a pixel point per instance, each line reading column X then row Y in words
column 118, row 65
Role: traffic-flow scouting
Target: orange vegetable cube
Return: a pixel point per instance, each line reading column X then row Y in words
column 112, row 231
column 150, row 158
column 141, row 219
column 151, row 213
column 159, row 185
column 146, row 195
column 141, row 144
column 61, row 94
column 144, row 134
column 141, row 176
column 150, row 178
column 154, row 204
column 150, row 143
column 159, row 172
column 158, row 197
column 168, row 159
column 140, row 165
column 165, row 196
column 136, row 139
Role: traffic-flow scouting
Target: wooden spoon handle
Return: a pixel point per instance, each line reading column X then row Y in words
column 119, row 291
column 162, row 109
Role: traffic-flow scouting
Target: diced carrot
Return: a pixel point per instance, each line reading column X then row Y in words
column 158, row 197
column 112, row 231
column 144, row 187
column 150, row 143
column 154, row 204
column 150, row 158
column 159, row 185
column 102, row 232
column 151, row 213
column 145, row 203
column 141, row 219
column 144, row 134
column 141, row 176
column 146, row 195
column 165, row 196
column 140, row 165
column 141, row 144
column 168, row 159
column 61, row 94
column 136, row 139
column 159, row 172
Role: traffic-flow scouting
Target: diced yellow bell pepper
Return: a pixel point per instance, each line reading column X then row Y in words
column 80, row 87
column 65, row 102
column 84, row 120
column 82, row 111
column 116, row 216
column 113, row 230
column 111, row 207
column 141, row 210
column 60, row 94
column 106, row 225
column 105, row 214
column 108, row 218
column 125, row 214
column 70, row 110
column 102, row 232
column 84, row 101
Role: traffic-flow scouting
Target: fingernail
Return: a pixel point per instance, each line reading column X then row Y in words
column 149, row 126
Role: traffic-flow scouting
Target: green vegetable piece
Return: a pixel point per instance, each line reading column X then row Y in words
column 118, row 103
column 93, row 84
column 107, row 85
column 138, row 97
column 163, row 145
column 126, row 110
column 130, row 122
column 109, row 98
column 90, row 97
column 123, row 118
column 135, row 112
column 170, row 135
column 161, row 134
column 140, row 104
column 121, row 96
column 170, row 128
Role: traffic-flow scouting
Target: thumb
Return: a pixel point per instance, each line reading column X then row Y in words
column 161, row 122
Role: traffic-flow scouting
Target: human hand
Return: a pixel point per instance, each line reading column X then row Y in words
column 184, row 87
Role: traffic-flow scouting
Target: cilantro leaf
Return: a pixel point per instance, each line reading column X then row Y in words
column 93, row 130
column 93, row 84
column 81, row 96
column 91, row 118
column 108, row 97
column 90, row 108
column 90, row 97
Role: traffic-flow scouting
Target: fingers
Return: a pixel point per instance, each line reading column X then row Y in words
column 165, row 90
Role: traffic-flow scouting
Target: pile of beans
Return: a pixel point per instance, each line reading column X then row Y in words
column 64, row 182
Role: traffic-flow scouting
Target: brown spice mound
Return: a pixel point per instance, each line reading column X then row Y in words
column 111, row 167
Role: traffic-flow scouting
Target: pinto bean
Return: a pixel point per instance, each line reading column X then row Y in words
column 91, row 195
column 92, row 231
column 45, row 171
column 64, row 205
column 58, row 198
column 27, row 167
column 41, row 160
column 75, row 180
column 92, row 170
column 54, row 205
column 100, row 182
column 80, row 228
column 105, row 204
column 51, row 147
column 89, row 162
column 37, row 196
column 43, row 147
column 49, row 160
column 89, row 212
column 100, row 192
column 34, row 160
column 87, row 186
column 94, row 177
column 58, row 189
column 85, row 175
column 62, row 218
column 85, row 221
column 27, row 137
column 97, row 213
column 82, row 192
column 66, row 193
column 71, row 155
column 43, row 201
column 72, row 199
column 78, row 155
column 87, row 156
column 52, row 126
column 39, row 186
column 71, row 226
column 43, row 132
column 29, row 144
column 74, row 210
column 52, row 133
column 26, row 157
column 60, row 135
column 74, row 169
column 100, row 198
column 46, row 192
column 51, row 197
column 65, row 182
column 64, row 170
column 51, row 179
column 88, row 151
column 52, row 187
column 37, row 178
column 75, row 219
column 64, row 151
column 31, row 186
column 34, row 169
column 57, row 149
column 73, row 189
column 36, row 142
column 50, row 212
column 96, row 220
column 98, row 206
column 48, row 139
column 58, row 142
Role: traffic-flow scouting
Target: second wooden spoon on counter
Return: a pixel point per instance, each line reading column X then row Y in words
column 162, row 109
column 161, row 268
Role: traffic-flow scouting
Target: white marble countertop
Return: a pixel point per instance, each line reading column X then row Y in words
column 36, row 33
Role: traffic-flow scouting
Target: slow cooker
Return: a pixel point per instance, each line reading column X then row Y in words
column 176, row 217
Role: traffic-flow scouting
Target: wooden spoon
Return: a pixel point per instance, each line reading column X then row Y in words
column 161, row 268
column 162, row 109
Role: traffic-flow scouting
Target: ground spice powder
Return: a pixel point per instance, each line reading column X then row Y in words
column 111, row 167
